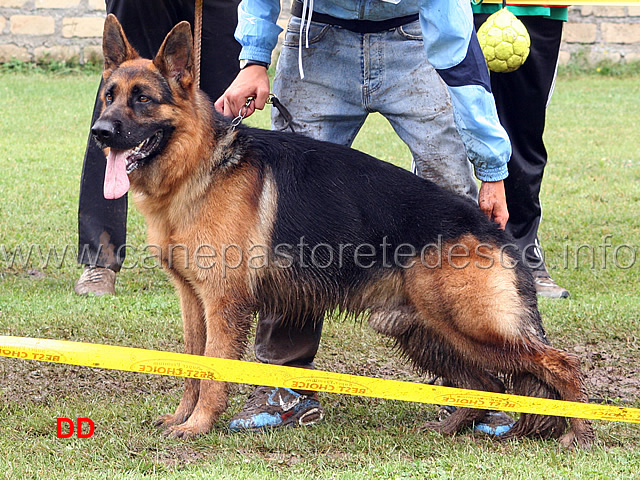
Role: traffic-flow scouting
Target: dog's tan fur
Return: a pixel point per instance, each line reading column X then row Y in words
column 468, row 319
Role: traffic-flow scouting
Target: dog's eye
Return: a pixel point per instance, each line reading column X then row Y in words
column 108, row 97
column 144, row 99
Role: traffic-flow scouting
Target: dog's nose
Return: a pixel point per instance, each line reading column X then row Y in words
column 103, row 130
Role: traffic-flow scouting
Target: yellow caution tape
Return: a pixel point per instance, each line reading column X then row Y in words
column 237, row 371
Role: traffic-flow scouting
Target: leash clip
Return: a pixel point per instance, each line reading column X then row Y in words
column 243, row 113
column 271, row 100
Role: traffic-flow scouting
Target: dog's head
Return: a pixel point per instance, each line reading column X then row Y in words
column 140, row 97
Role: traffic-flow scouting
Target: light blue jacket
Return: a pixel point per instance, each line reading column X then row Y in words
column 447, row 28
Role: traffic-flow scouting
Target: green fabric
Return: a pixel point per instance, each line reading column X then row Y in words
column 555, row 13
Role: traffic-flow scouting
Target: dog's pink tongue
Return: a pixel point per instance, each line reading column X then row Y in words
column 116, row 180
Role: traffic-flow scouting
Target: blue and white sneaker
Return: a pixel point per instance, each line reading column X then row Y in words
column 493, row 423
column 273, row 407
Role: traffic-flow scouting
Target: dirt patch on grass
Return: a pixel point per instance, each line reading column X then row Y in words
column 24, row 381
column 611, row 369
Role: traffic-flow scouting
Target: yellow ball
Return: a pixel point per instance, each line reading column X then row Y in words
column 504, row 41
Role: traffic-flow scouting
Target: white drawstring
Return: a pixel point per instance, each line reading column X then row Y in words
column 307, row 11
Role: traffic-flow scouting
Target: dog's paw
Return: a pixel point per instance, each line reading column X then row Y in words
column 568, row 440
column 573, row 439
column 186, row 431
column 169, row 420
column 450, row 424
column 440, row 427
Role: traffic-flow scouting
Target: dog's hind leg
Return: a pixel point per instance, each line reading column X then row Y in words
column 193, row 320
column 528, row 425
column 486, row 317
column 428, row 354
column 464, row 417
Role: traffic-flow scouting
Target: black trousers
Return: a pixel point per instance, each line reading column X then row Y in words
column 102, row 224
column 521, row 99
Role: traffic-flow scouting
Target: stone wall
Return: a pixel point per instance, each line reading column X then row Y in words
column 57, row 29
column 71, row 29
column 596, row 33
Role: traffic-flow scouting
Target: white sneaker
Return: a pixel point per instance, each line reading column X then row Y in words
column 546, row 287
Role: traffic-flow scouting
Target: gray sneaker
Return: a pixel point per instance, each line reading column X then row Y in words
column 272, row 407
column 546, row 287
column 96, row 281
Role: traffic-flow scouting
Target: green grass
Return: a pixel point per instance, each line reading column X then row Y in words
column 591, row 190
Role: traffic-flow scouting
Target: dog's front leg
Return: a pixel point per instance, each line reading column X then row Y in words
column 226, row 331
column 193, row 320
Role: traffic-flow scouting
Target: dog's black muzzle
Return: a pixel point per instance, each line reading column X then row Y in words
column 105, row 132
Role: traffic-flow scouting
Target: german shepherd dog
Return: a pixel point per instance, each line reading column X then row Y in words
column 338, row 230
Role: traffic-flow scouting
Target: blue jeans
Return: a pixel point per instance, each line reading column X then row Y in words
column 347, row 76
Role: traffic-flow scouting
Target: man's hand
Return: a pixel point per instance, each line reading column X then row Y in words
column 493, row 202
column 252, row 81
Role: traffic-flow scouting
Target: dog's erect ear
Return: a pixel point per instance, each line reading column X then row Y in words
column 115, row 46
column 175, row 57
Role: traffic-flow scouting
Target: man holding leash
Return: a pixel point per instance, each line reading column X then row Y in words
column 339, row 64
column 340, row 61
